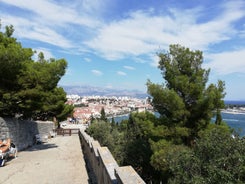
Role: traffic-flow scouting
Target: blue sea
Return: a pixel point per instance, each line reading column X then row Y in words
column 235, row 121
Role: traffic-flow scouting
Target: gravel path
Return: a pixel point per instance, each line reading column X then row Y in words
column 59, row 161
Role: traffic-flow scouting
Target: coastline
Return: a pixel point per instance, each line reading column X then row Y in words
column 119, row 115
column 233, row 111
column 234, row 119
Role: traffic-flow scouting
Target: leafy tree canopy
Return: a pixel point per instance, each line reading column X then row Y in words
column 103, row 114
column 29, row 88
column 181, row 145
column 184, row 100
column 217, row 157
column 186, row 105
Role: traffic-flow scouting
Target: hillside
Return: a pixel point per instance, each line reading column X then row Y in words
column 87, row 90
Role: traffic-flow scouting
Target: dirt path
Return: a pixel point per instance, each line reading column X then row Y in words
column 59, row 161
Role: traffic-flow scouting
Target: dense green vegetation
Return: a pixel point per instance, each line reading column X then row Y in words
column 182, row 145
column 28, row 89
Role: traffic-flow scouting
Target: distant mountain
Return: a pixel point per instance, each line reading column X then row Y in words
column 87, row 90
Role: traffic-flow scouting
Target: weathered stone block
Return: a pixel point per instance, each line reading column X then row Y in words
column 22, row 132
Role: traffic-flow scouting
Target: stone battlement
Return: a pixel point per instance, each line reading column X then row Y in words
column 102, row 164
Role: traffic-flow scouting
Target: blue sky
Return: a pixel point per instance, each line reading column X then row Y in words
column 113, row 43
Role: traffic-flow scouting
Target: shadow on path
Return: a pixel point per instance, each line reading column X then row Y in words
column 43, row 146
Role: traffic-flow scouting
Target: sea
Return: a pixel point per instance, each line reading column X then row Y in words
column 235, row 121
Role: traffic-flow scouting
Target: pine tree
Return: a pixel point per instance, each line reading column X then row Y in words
column 184, row 100
column 103, row 115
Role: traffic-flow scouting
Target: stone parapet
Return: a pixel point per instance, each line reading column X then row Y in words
column 127, row 175
column 107, row 165
column 103, row 166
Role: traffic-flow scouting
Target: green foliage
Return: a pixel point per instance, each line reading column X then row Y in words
column 103, row 115
column 182, row 145
column 113, row 123
column 184, row 166
column 101, row 131
column 184, row 100
column 216, row 158
column 108, row 136
column 40, row 96
column 137, row 148
column 128, row 141
column 28, row 88
column 186, row 107
column 216, row 92
column 12, row 60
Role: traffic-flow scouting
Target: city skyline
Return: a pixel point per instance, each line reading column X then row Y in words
column 114, row 43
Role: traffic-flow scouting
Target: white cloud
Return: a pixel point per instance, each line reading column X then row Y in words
column 95, row 7
column 138, row 35
column 47, row 53
column 143, row 32
column 128, row 37
column 48, row 36
column 97, row 72
column 52, row 23
column 121, row 73
column 129, row 67
column 51, row 13
column 87, row 60
column 155, row 60
column 31, row 30
column 227, row 62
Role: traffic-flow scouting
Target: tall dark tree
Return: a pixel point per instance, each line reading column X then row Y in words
column 216, row 92
column 138, row 152
column 28, row 88
column 185, row 100
column 185, row 104
column 40, row 97
column 12, row 60
column 103, row 115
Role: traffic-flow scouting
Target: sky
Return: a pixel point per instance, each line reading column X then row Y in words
column 114, row 43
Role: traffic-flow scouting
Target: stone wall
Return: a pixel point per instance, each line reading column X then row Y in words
column 103, row 166
column 22, row 132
